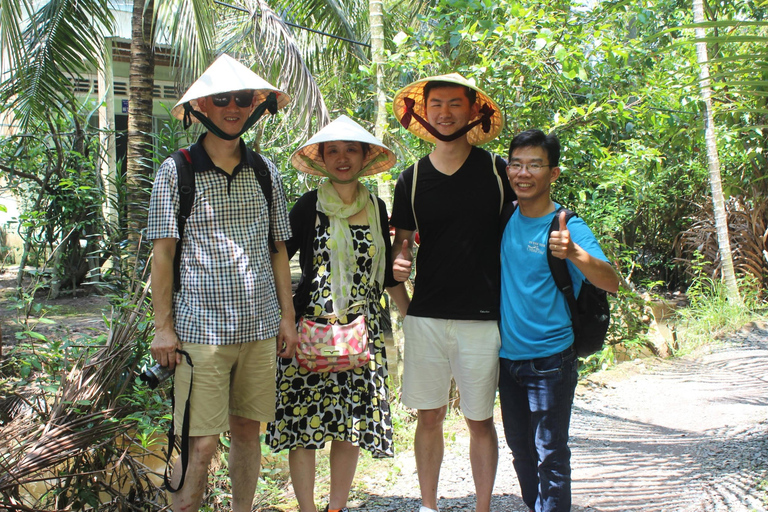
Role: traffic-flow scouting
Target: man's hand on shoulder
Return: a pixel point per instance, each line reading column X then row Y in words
column 164, row 346
column 287, row 338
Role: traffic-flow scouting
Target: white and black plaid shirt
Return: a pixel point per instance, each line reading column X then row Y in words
column 227, row 291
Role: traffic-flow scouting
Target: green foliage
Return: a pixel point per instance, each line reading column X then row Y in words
column 52, row 171
column 711, row 313
column 62, row 38
column 619, row 92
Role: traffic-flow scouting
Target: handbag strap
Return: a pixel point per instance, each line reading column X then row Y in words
column 347, row 310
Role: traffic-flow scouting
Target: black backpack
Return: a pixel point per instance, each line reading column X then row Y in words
column 590, row 312
column 186, row 178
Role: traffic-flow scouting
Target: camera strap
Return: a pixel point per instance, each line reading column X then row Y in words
column 184, row 448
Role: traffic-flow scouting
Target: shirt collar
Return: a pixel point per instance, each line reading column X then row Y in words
column 202, row 162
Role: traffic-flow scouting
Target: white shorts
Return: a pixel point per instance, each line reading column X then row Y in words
column 436, row 349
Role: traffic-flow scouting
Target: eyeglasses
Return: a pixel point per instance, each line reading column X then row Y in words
column 517, row 167
column 242, row 99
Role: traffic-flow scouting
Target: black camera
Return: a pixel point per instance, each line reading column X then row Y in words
column 155, row 375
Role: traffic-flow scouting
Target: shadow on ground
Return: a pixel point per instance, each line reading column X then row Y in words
column 690, row 435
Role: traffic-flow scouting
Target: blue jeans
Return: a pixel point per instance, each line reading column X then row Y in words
column 536, row 396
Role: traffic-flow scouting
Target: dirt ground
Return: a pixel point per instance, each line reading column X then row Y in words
column 71, row 315
column 651, row 435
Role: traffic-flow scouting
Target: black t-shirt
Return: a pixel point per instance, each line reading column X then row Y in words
column 457, row 267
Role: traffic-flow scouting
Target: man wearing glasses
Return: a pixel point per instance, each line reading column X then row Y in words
column 230, row 308
column 538, row 365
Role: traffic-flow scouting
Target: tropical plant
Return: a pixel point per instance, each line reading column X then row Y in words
column 44, row 45
column 713, row 159
column 51, row 170
column 65, row 413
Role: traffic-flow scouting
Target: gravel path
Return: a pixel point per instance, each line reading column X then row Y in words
column 685, row 435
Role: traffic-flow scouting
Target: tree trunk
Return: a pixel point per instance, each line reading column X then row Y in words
column 107, row 158
column 721, row 219
column 139, row 155
column 375, row 9
column 384, row 189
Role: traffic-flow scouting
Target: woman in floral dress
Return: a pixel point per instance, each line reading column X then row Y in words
column 341, row 231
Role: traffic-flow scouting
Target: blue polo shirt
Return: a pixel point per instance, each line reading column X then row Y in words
column 535, row 319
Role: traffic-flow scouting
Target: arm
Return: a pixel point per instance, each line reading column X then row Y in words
column 598, row 272
column 165, row 343
column 287, row 337
column 400, row 296
column 402, row 255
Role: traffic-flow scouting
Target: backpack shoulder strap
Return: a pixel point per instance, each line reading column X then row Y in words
column 186, row 181
column 506, row 213
column 413, row 192
column 498, row 179
column 264, row 177
column 559, row 268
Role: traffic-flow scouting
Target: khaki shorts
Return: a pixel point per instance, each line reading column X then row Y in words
column 236, row 380
column 436, row 349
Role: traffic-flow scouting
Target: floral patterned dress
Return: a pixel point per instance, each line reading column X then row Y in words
column 314, row 408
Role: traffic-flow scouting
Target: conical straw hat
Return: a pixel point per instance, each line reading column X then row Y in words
column 227, row 75
column 308, row 159
column 476, row 136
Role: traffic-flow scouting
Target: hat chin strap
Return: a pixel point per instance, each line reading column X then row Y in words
column 270, row 103
column 486, row 112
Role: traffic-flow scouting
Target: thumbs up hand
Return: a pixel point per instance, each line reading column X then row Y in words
column 560, row 242
column 401, row 267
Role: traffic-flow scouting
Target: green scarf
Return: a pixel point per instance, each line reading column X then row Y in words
column 343, row 258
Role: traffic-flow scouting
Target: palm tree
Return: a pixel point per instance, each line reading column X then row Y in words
column 730, row 81
column 43, row 48
column 141, row 84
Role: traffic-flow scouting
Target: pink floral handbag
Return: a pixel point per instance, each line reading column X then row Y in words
column 333, row 347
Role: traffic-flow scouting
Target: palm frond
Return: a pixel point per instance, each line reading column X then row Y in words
column 87, row 412
column 348, row 20
column 269, row 46
column 63, row 38
column 12, row 18
column 189, row 27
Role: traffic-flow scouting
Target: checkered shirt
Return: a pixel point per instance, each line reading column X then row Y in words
column 227, row 291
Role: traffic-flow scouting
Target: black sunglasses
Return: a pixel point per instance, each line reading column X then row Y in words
column 242, row 99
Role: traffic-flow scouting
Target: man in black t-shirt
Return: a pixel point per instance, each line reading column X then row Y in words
column 451, row 328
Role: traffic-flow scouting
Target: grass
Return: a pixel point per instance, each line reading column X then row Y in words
column 712, row 314
column 762, row 486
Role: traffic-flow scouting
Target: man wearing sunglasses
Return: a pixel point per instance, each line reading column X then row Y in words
column 226, row 305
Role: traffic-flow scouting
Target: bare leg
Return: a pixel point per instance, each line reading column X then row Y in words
column 244, row 461
column 484, row 456
column 428, row 445
column 302, row 464
column 190, row 496
column 343, row 466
